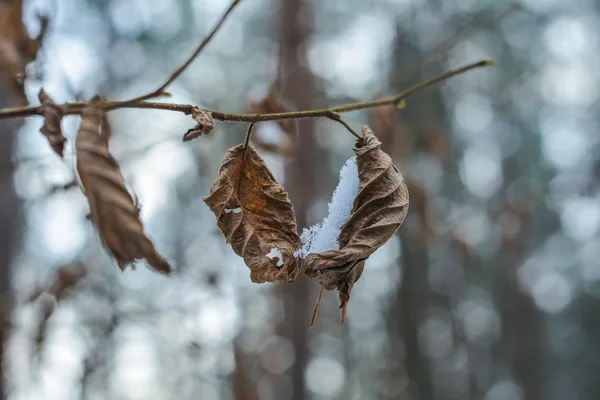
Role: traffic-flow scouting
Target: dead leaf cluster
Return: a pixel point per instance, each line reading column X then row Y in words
column 252, row 209
column 255, row 215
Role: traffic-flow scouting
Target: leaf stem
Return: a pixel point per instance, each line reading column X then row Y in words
column 248, row 134
column 337, row 117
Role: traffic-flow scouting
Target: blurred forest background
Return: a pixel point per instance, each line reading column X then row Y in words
column 490, row 290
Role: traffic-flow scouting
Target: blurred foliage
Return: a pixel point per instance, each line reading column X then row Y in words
column 489, row 290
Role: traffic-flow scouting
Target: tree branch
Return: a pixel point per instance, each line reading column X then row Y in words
column 332, row 113
column 183, row 67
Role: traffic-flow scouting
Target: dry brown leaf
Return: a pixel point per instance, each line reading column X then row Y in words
column 379, row 209
column 255, row 215
column 205, row 124
column 17, row 49
column 52, row 118
column 112, row 208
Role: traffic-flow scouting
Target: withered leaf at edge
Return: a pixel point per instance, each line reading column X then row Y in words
column 52, row 118
column 255, row 215
column 112, row 209
column 205, row 124
column 379, row 209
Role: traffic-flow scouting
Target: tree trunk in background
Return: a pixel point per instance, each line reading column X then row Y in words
column 413, row 294
column 411, row 299
column 297, row 83
column 9, row 211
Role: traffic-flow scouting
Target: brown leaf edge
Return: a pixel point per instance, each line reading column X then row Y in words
column 112, row 208
column 255, row 215
column 52, row 118
column 379, row 209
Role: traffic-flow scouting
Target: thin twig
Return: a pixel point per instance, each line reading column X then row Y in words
column 77, row 108
column 336, row 117
column 183, row 67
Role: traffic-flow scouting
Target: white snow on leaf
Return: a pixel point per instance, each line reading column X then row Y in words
column 233, row 210
column 307, row 238
column 276, row 253
column 324, row 236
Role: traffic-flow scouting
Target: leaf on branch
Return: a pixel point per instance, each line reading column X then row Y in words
column 274, row 136
column 17, row 49
column 52, row 118
column 379, row 209
column 205, row 124
column 255, row 215
column 112, row 208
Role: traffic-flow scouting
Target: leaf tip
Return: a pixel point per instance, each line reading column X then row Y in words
column 343, row 312
column 313, row 319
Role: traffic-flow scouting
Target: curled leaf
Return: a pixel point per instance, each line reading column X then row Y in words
column 112, row 208
column 379, row 209
column 255, row 215
column 52, row 118
column 205, row 124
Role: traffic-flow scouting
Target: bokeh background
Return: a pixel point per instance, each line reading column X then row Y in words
column 489, row 291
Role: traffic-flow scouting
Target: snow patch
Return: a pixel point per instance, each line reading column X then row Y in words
column 324, row 236
column 276, row 253
column 307, row 238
